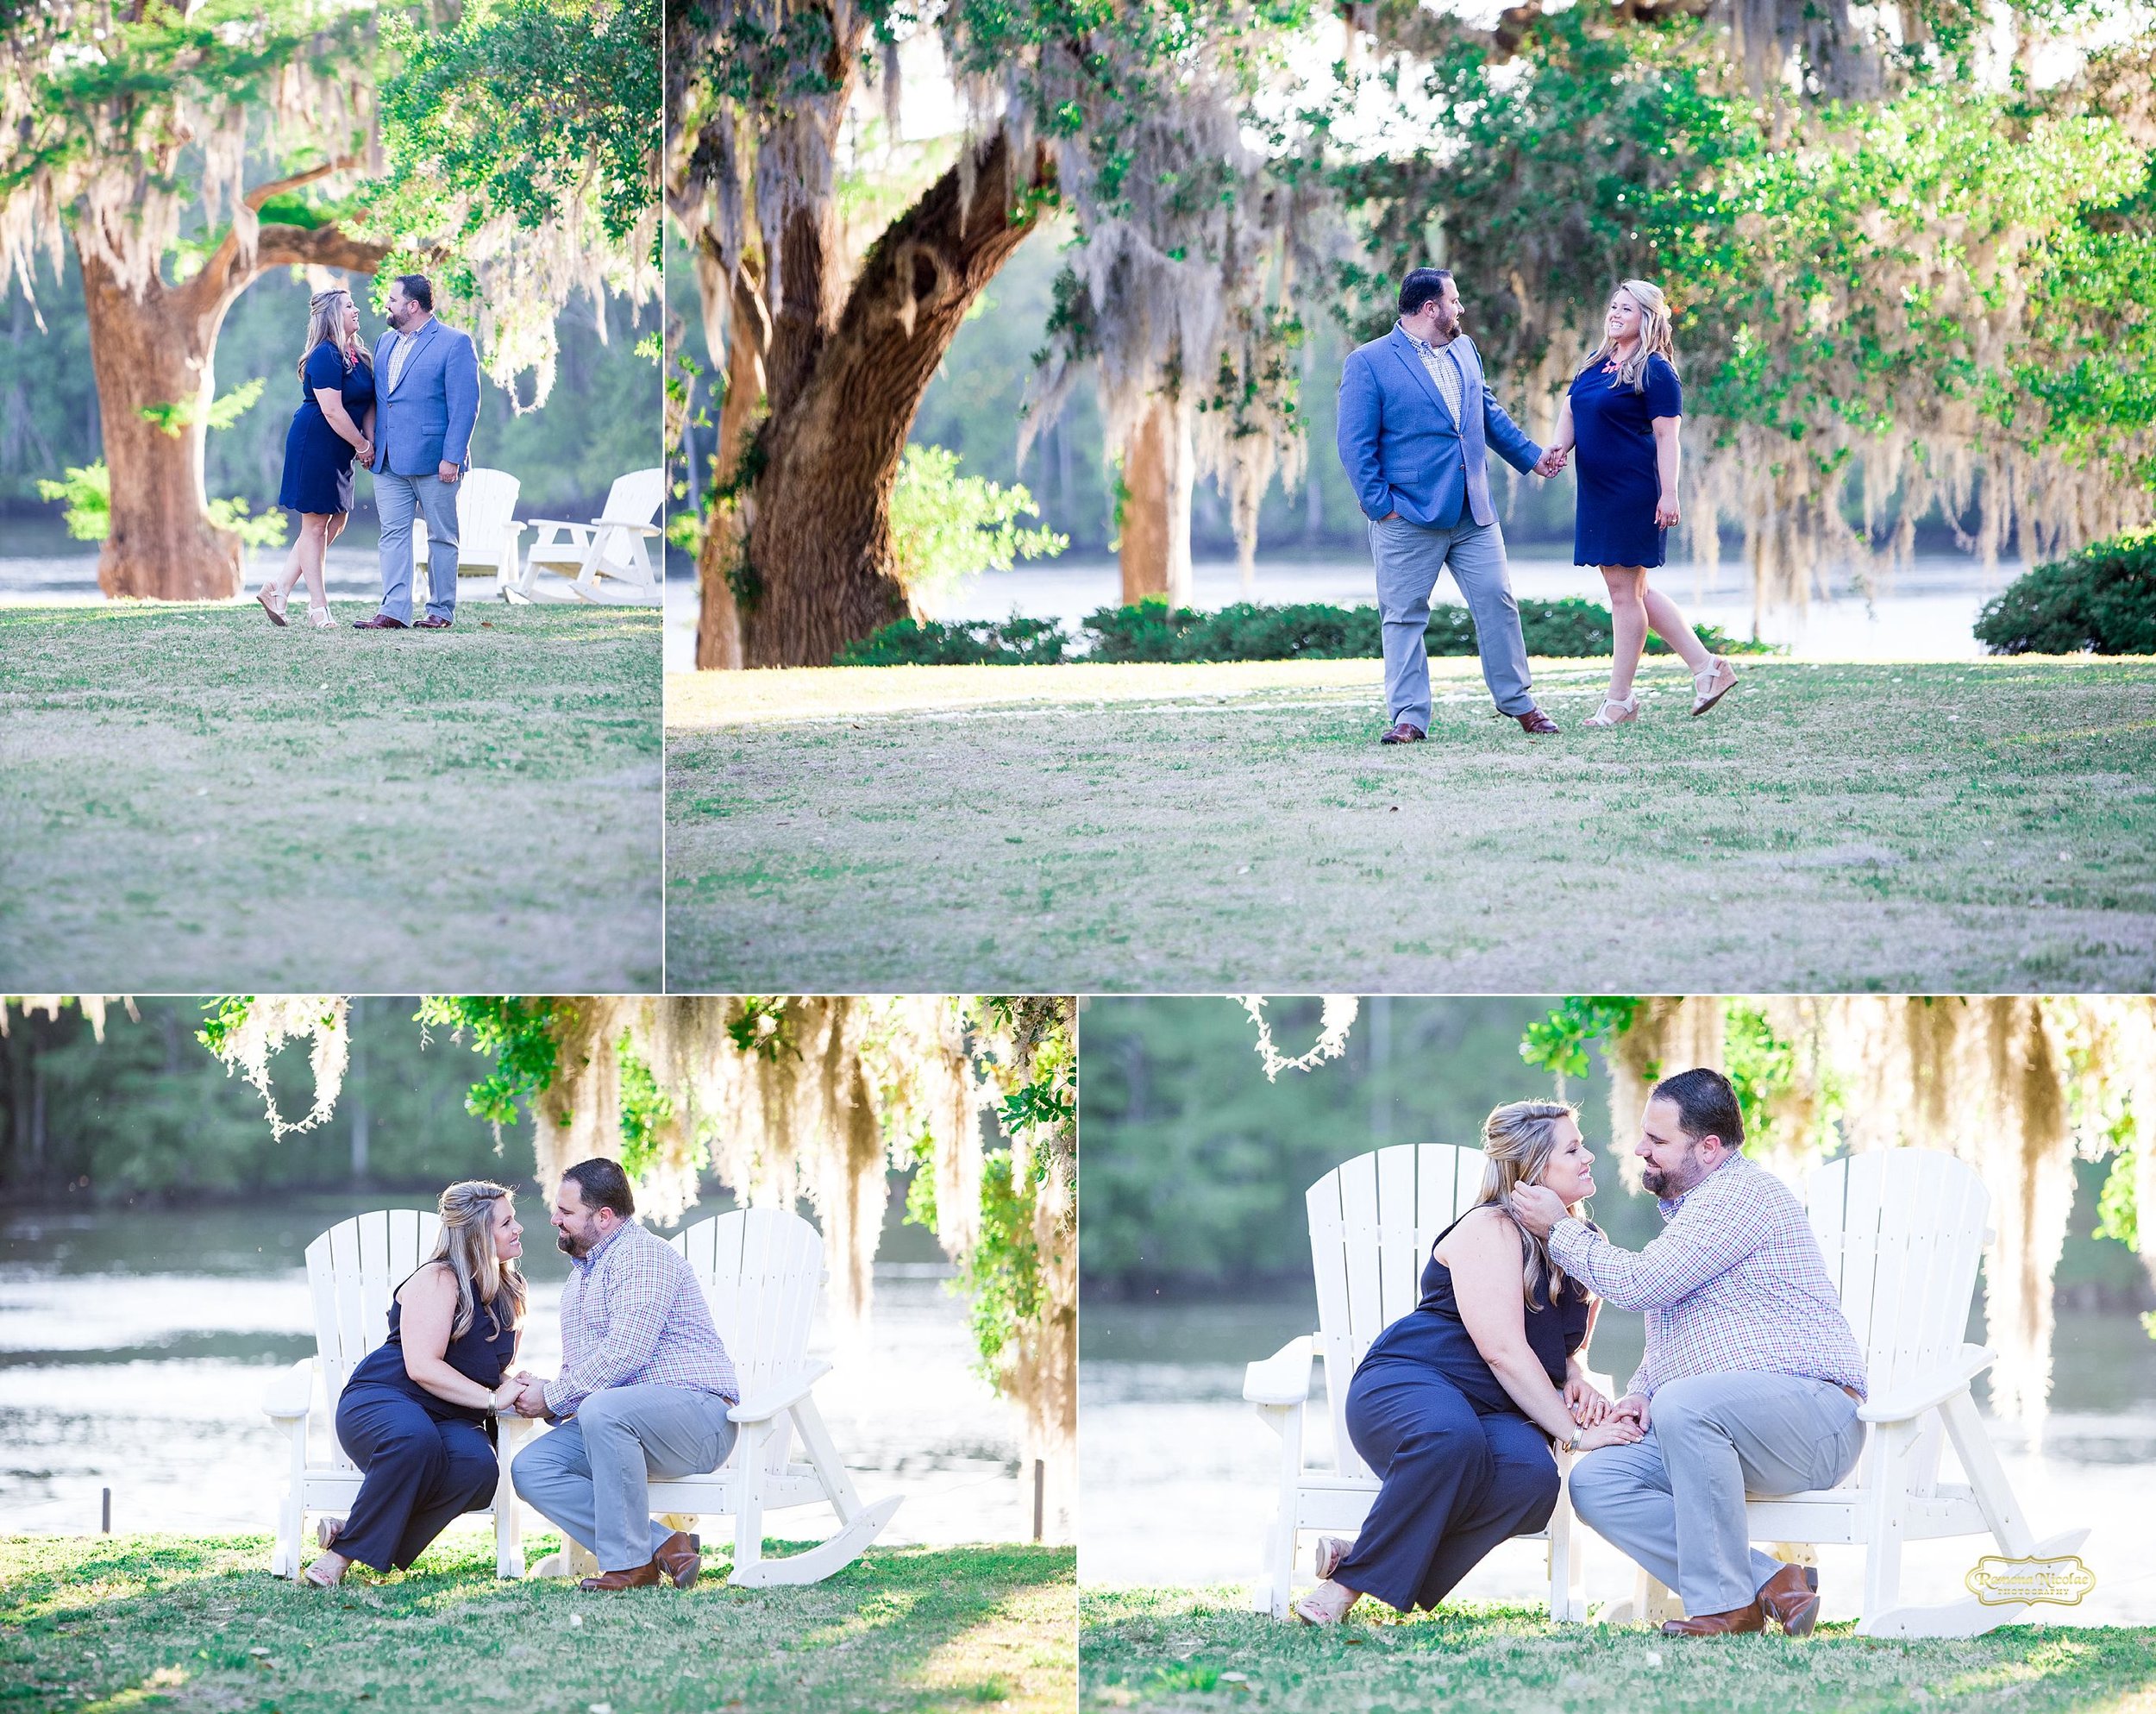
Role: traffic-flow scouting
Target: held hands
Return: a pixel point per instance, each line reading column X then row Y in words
column 1586, row 1402
column 1552, row 461
column 1633, row 1405
column 1536, row 1208
column 365, row 452
column 1614, row 1431
column 526, row 1395
column 1665, row 512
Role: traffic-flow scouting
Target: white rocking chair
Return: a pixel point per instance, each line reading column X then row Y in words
column 1901, row 1231
column 760, row 1269
column 488, row 530
column 1372, row 1222
column 610, row 545
column 352, row 1271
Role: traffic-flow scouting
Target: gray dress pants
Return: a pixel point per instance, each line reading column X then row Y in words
column 591, row 1475
column 1410, row 557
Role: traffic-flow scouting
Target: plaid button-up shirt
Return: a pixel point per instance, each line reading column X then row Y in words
column 1735, row 1282
column 633, row 1315
column 1444, row 371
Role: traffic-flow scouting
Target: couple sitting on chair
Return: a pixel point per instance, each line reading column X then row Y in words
column 644, row 1389
column 1750, row 1383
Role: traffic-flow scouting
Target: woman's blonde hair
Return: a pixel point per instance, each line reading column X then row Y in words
column 325, row 326
column 1654, row 337
column 466, row 1247
column 1518, row 1141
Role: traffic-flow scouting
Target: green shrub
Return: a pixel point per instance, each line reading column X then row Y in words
column 1013, row 641
column 2101, row 599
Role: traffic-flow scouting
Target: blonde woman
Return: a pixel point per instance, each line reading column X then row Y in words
column 1624, row 410
column 418, row 1414
column 1457, row 1403
column 334, row 421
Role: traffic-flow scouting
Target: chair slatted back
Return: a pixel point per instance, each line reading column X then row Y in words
column 760, row 1269
column 635, row 497
column 353, row 1273
column 486, row 502
column 1372, row 1222
column 1902, row 1231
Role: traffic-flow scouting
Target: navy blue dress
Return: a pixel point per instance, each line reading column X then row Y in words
column 317, row 459
column 1613, row 428
column 426, row 1459
column 1462, row 1467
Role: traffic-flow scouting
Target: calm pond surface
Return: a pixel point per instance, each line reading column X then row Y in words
column 1178, row 1475
column 135, row 1347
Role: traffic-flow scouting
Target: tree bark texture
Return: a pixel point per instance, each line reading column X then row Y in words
column 1159, row 474
column 158, row 348
column 748, row 337
column 815, row 571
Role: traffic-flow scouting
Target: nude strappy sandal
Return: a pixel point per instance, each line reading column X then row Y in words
column 1710, row 687
column 1613, row 713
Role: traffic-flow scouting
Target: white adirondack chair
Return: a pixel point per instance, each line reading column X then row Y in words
column 610, row 545
column 352, row 1271
column 1902, row 1231
column 1372, row 1222
column 488, row 530
column 760, row 1269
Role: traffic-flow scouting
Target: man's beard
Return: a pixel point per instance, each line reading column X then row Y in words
column 567, row 1245
column 1654, row 1181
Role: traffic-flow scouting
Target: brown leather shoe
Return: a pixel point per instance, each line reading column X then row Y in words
column 1536, row 722
column 379, row 622
column 1790, row 1598
column 645, row 1576
column 430, row 623
column 1403, row 733
column 678, row 1558
column 1746, row 1618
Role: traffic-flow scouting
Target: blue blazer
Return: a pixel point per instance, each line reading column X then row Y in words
column 426, row 419
column 1402, row 449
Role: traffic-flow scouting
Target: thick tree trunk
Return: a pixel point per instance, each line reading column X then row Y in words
column 157, row 348
column 748, row 336
column 1159, row 474
column 816, row 573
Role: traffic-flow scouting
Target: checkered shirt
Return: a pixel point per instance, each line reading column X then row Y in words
column 633, row 1315
column 1444, row 371
column 1735, row 1282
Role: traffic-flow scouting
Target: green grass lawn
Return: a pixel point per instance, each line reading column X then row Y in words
column 161, row 1621
column 1934, row 827
column 191, row 800
column 1193, row 1650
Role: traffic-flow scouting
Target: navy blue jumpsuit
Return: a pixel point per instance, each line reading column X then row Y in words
column 426, row 1459
column 1462, row 1468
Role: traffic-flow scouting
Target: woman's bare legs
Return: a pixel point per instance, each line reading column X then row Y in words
column 1635, row 609
column 318, row 589
column 1628, row 626
column 305, row 558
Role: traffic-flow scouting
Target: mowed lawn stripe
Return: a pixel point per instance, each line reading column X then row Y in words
column 1944, row 827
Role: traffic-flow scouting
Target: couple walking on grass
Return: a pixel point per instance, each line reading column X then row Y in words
column 426, row 402
column 644, row 1391
column 1750, row 1383
column 1416, row 418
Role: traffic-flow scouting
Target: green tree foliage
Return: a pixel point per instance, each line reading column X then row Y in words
column 947, row 528
column 2101, row 599
column 1194, row 1166
column 146, row 1112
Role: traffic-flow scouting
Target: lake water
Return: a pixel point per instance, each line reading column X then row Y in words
column 1924, row 614
column 1177, row 1474
column 134, row 1347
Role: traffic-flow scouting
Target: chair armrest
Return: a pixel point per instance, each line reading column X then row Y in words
column 292, row 1395
column 1933, row 1388
column 766, row 1405
column 638, row 528
column 1283, row 1378
column 558, row 523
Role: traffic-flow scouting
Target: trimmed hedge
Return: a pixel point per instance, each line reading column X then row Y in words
column 2101, row 601
column 1306, row 631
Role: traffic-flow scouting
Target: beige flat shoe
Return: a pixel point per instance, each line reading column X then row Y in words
column 1616, row 714
column 1331, row 1549
column 326, row 1530
column 1710, row 687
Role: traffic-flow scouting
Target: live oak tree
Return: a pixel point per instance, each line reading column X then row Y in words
column 138, row 137
column 826, row 354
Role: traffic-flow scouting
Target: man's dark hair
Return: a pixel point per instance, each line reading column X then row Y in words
column 603, row 1185
column 1421, row 286
column 1706, row 1106
column 418, row 289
